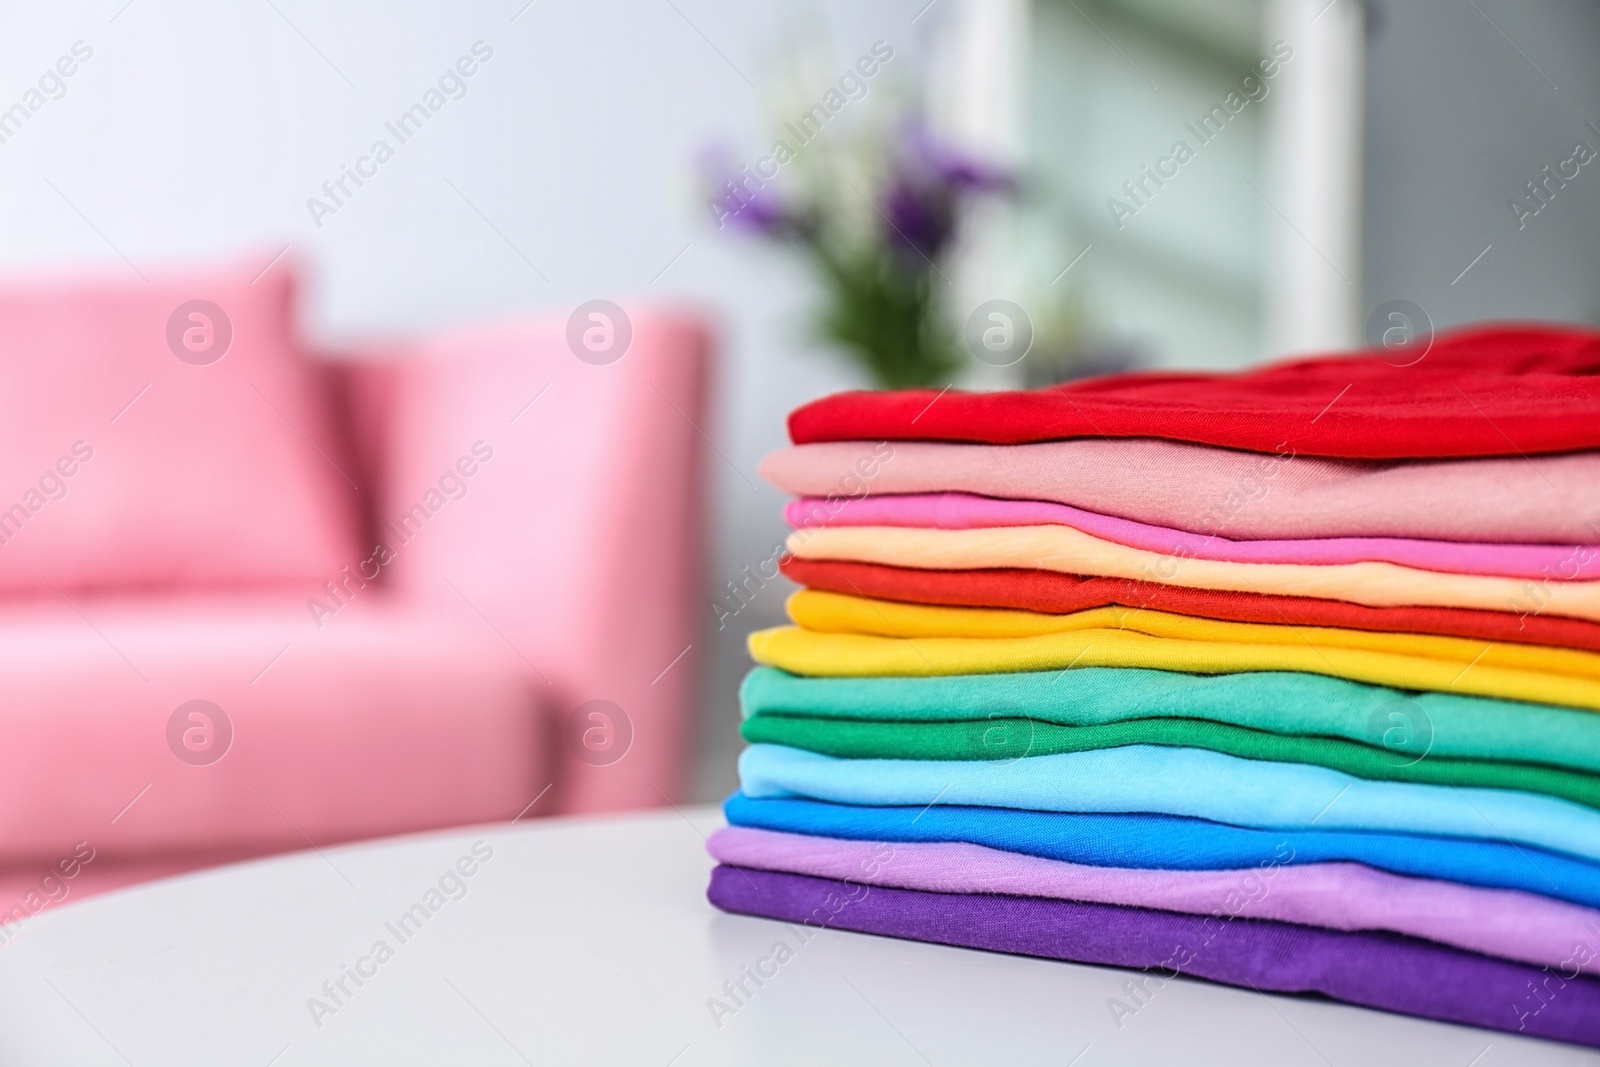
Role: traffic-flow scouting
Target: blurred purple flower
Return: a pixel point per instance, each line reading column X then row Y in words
column 743, row 202
column 759, row 212
column 921, row 219
column 928, row 182
column 920, row 150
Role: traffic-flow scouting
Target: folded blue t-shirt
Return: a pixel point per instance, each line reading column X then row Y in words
column 1171, row 842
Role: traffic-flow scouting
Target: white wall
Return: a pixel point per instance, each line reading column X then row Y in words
column 203, row 127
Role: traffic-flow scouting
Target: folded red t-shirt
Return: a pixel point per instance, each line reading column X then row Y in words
column 1059, row 594
column 1488, row 391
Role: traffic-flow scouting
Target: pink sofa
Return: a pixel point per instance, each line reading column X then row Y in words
column 540, row 524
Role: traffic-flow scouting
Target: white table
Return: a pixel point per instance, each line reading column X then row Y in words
column 590, row 941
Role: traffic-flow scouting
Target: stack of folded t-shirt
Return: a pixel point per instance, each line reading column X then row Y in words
column 1287, row 679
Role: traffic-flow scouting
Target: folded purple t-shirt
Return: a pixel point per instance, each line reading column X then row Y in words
column 1377, row 970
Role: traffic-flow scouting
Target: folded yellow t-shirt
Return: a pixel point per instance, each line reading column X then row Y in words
column 838, row 613
column 857, row 637
column 1071, row 551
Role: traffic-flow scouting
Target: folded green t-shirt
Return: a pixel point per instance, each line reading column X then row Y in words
column 1403, row 727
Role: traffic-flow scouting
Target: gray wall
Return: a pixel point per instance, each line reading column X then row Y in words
column 1458, row 119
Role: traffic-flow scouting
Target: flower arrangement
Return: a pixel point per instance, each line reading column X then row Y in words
column 877, row 241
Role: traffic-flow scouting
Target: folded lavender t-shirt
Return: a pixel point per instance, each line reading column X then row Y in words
column 1240, row 495
column 1338, row 896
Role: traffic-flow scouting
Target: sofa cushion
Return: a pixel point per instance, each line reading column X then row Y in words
column 380, row 722
column 160, row 434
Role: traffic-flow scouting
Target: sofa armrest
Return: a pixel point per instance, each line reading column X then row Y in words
column 556, row 506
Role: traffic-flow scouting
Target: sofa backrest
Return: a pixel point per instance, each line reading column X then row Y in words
column 553, row 505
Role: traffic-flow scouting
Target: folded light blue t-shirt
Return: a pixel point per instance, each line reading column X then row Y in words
column 1194, row 782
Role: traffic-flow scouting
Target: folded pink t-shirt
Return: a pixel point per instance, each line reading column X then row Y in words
column 1218, row 491
column 965, row 511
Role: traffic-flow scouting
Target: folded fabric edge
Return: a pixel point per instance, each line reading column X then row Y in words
column 1378, row 970
column 1509, row 924
column 1009, row 739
